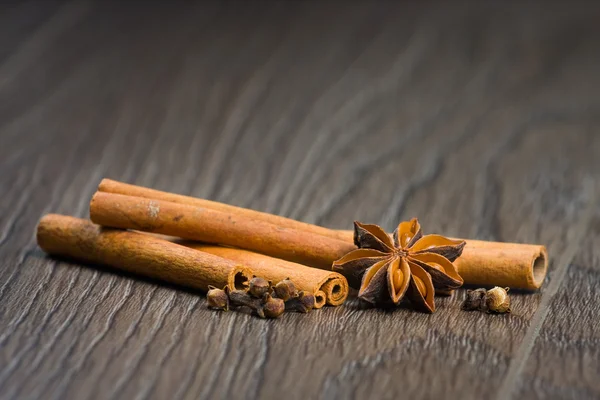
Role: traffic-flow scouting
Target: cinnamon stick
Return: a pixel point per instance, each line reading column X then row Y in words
column 141, row 254
column 483, row 263
column 217, row 227
column 513, row 265
column 111, row 186
column 328, row 287
column 521, row 266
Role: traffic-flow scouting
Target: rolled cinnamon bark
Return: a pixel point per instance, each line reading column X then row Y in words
column 328, row 287
column 483, row 263
column 217, row 227
column 521, row 266
column 514, row 265
column 110, row 186
column 141, row 254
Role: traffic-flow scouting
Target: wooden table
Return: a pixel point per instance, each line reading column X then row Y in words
column 480, row 119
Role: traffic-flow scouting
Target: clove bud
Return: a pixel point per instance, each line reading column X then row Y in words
column 286, row 290
column 265, row 307
column 497, row 300
column 265, row 301
column 258, row 287
column 217, row 299
column 304, row 302
column 272, row 306
column 476, row 300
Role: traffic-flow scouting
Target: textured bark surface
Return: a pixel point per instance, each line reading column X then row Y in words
column 213, row 226
column 482, row 121
column 327, row 286
column 82, row 241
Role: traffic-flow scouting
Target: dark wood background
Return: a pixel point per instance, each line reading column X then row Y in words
column 480, row 119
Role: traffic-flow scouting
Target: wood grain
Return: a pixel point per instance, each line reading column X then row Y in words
column 480, row 120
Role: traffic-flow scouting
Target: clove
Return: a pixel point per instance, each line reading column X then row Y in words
column 495, row 300
column 264, row 300
column 286, row 290
column 217, row 299
column 475, row 300
column 257, row 287
column 272, row 306
column 265, row 307
column 304, row 302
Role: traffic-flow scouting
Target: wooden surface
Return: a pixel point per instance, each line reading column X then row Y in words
column 479, row 119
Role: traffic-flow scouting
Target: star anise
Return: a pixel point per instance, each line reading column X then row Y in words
column 411, row 264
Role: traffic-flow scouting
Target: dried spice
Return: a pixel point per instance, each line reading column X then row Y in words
column 295, row 300
column 265, row 300
column 303, row 302
column 272, row 306
column 495, row 300
column 212, row 226
column 411, row 264
column 285, row 289
column 475, row 300
column 328, row 287
column 265, row 307
column 522, row 266
column 217, row 299
column 257, row 287
column 137, row 253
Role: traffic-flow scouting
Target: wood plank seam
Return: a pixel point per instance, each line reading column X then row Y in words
column 517, row 364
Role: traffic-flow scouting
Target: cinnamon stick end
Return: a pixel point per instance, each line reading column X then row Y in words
column 320, row 299
column 239, row 278
column 539, row 268
column 336, row 290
